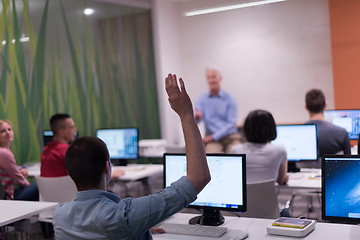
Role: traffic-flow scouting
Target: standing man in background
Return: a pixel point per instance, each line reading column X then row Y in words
column 53, row 155
column 218, row 110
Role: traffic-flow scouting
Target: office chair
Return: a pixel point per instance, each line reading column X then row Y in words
column 262, row 200
column 55, row 189
column 3, row 193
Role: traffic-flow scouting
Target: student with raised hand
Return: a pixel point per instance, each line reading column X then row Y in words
column 98, row 214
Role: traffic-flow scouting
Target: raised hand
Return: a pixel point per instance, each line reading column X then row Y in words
column 178, row 98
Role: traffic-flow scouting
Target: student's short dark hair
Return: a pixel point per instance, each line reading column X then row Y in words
column 85, row 161
column 259, row 127
column 315, row 101
column 57, row 121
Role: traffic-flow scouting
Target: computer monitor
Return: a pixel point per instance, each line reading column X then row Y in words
column 48, row 136
column 226, row 190
column 300, row 141
column 122, row 143
column 341, row 188
column 348, row 119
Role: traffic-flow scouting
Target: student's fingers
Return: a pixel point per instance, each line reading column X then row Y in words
column 157, row 230
column 182, row 85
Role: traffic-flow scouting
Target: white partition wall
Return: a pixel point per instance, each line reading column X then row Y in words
column 269, row 55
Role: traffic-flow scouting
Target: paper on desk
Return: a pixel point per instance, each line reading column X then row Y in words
column 232, row 234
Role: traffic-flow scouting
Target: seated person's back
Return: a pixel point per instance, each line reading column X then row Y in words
column 331, row 139
column 53, row 155
column 264, row 161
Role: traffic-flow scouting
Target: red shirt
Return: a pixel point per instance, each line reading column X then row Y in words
column 53, row 160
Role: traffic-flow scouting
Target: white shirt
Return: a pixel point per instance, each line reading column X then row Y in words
column 262, row 160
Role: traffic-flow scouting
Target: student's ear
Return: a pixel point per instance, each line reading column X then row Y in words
column 325, row 105
column 107, row 168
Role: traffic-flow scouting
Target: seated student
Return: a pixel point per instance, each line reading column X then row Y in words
column 264, row 161
column 332, row 139
column 98, row 214
column 53, row 155
column 10, row 174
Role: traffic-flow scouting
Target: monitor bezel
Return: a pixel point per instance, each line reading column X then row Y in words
column 334, row 219
column 241, row 208
column 123, row 128
column 327, row 110
column 317, row 141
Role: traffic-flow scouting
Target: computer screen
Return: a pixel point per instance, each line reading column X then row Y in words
column 341, row 188
column 300, row 141
column 227, row 188
column 348, row 119
column 48, row 136
column 122, row 143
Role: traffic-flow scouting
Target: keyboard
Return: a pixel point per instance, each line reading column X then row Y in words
column 195, row 230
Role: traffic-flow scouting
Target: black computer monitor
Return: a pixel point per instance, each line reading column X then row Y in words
column 348, row 119
column 300, row 141
column 48, row 136
column 226, row 190
column 341, row 188
column 122, row 143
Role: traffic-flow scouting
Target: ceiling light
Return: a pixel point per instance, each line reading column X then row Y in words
column 231, row 7
column 88, row 11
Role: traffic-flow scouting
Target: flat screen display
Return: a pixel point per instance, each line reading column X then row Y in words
column 341, row 188
column 122, row 143
column 227, row 188
column 300, row 141
column 348, row 119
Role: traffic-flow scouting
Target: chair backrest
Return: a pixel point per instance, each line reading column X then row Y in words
column 262, row 201
column 2, row 192
column 56, row 189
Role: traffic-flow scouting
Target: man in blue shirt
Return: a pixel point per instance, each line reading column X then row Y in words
column 218, row 110
column 331, row 138
column 98, row 214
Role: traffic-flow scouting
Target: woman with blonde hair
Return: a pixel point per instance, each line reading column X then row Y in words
column 10, row 173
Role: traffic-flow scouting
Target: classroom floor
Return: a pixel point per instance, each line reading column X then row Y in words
column 135, row 189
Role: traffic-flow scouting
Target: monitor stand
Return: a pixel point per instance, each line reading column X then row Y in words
column 119, row 162
column 210, row 217
column 292, row 167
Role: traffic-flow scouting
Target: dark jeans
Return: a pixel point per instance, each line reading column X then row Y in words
column 28, row 193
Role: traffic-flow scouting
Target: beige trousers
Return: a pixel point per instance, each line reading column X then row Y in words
column 224, row 145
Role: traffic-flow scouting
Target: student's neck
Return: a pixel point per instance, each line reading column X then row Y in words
column 7, row 146
column 59, row 140
column 317, row 116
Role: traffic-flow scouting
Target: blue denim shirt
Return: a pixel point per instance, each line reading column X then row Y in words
column 97, row 214
column 219, row 114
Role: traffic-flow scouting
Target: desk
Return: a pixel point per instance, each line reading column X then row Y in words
column 257, row 229
column 307, row 178
column 13, row 211
column 137, row 172
column 133, row 172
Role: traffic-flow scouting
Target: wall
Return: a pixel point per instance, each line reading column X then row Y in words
column 345, row 45
column 168, row 60
column 269, row 56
